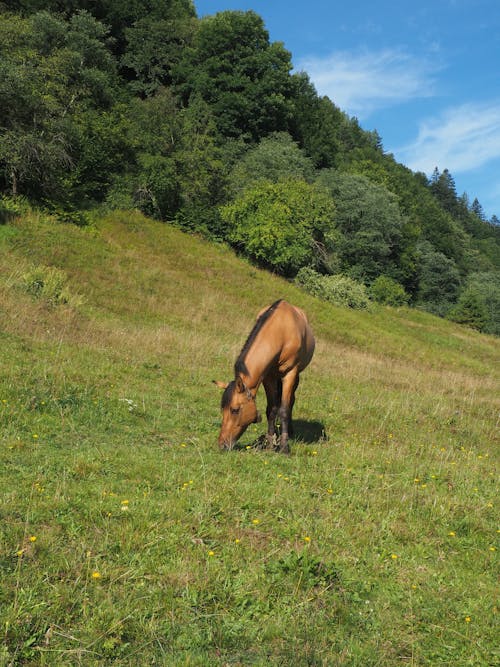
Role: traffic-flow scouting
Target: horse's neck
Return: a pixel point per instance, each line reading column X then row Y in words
column 256, row 367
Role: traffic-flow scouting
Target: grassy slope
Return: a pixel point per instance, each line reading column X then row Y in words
column 375, row 546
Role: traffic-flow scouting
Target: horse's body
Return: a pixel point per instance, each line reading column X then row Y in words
column 280, row 345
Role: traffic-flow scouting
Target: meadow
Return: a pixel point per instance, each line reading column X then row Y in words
column 127, row 538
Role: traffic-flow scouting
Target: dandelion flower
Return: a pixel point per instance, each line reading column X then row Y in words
column 394, row 556
column 96, row 575
column 467, row 619
column 493, row 548
column 237, row 540
column 451, row 533
column 255, row 521
column 211, row 553
column 33, row 538
column 307, row 538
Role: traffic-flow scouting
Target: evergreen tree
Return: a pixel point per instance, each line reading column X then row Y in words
column 477, row 209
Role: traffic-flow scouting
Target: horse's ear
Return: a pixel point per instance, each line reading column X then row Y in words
column 240, row 385
column 221, row 385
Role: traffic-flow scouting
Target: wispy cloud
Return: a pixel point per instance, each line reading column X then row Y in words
column 461, row 139
column 361, row 83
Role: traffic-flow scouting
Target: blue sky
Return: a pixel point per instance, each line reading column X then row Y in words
column 425, row 74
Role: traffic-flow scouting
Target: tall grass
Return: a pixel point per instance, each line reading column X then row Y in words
column 127, row 538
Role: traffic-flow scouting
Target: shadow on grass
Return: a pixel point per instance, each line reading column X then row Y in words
column 304, row 431
column 308, row 431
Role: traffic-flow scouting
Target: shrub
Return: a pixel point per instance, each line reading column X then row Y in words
column 389, row 292
column 50, row 284
column 12, row 207
column 338, row 289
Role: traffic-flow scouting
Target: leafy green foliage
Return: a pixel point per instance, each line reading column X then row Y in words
column 143, row 105
column 370, row 221
column 337, row 289
column 274, row 158
column 439, row 279
column 478, row 305
column 245, row 79
column 155, row 44
column 283, row 226
column 387, row 291
column 57, row 71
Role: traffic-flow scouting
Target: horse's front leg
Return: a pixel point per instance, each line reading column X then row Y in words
column 272, row 385
column 290, row 383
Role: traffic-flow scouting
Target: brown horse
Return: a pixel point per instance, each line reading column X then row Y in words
column 280, row 345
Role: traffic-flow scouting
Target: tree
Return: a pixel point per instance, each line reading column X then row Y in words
column 239, row 74
column 439, row 279
column 155, row 44
column 316, row 123
column 283, row 226
column 469, row 310
column 274, row 158
column 478, row 210
column 370, row 221
column 443, row 188
column 51, row 71
column 479, row 303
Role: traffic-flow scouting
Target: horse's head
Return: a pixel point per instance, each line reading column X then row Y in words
column 238, row 412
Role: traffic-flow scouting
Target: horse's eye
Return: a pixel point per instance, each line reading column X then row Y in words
column 235, row 411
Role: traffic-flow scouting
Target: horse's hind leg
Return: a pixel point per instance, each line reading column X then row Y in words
column 273, row 388
column 292, row 403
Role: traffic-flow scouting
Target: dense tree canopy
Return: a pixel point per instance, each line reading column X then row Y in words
column 201, row 123
column 232, row 66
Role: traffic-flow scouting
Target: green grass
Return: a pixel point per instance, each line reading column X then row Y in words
column 374, row 545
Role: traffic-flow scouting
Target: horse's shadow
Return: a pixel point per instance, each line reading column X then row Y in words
column 307, row 431
column 304, row 431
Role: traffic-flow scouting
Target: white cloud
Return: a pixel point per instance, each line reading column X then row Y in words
column 461, row 139
column 361, row 83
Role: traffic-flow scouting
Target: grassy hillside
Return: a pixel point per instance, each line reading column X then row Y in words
column 127, row 538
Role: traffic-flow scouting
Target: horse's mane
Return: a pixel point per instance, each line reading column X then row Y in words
column 240, row 366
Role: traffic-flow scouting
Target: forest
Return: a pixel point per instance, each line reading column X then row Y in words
column 203, row 124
